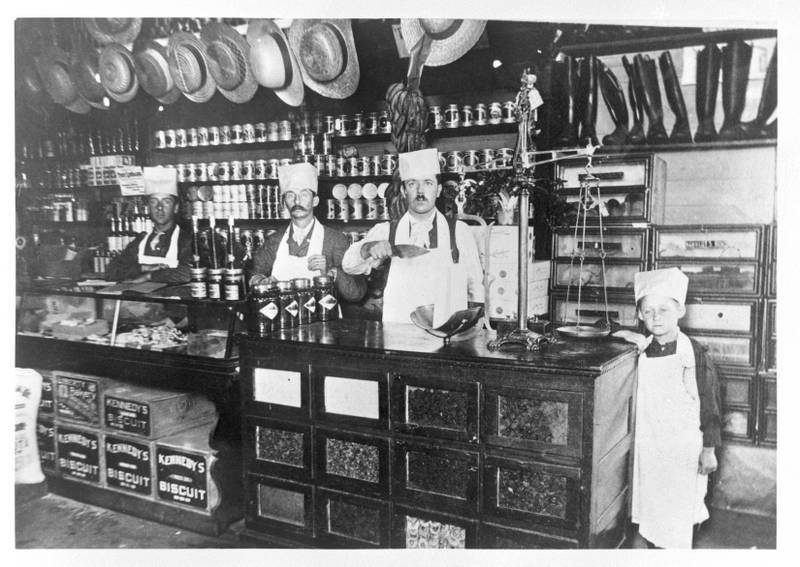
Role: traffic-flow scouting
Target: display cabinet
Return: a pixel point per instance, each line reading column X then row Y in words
column 368, row 434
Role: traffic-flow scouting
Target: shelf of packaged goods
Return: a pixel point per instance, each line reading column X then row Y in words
column 40, row 191
column 277, row 144
column 475, row 130
column 228, row 182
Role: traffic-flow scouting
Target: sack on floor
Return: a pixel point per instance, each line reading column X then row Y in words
column 27, row 468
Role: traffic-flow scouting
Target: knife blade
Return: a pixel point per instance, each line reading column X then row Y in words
column 408, row 250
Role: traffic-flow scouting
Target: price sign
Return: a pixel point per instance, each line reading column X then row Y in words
column 130, row 179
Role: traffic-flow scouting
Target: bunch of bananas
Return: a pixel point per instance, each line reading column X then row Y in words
column 408, row 114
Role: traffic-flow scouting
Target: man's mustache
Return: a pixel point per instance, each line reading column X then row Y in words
column 297, row 208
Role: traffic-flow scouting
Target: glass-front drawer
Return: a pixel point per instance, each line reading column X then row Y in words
column 350, row 395
column 498, row 537
column 276, row 388
column 772, row 354
column 435, row 407
column 348, row 461
column 593, row 310
column 718, row 278
column 540, row 420
column 614, row 207
column 432, row 475
column 616, row 244
column 736, row 423
column 769, row 427
column 529, row 491
column 772, row 312
column 736, row 390
column 279, row 506
column 278, row 447
column 770, row 395
column 417, row 529
column 727, row 350
column 349, row 521
column 617, row 276
column 702, row 315
column 730, row 243
column 624, row 171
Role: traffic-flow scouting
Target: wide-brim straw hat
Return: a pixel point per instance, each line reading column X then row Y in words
column 451, row 38
column 188, row 65
column 53, row 65
column 114, row 30
column 118, row 72
column 273, row 62
column 152, row 68
column 327, row 54
column 85, row 72
column 228, row 55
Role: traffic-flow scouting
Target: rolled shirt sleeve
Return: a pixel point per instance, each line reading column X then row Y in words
column 353, row 263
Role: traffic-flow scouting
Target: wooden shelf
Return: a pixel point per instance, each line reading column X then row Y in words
column 502, row 128
column 228, row 147
column 229, row 182
column 82, row 188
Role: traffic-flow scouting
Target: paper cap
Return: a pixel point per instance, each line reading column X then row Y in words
column 669, row 282
column 297, row 176
column 161, row 180
column 419, row 164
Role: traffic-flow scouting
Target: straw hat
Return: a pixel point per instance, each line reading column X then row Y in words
column 28, row 83
column 328, row 55
column 451, row 38
column 114, row 30
column 273, row 62
column 118, row 72
column 85, row 71
column 229, row 61
column 152, row 68
column 188, row 65
column 53, row 67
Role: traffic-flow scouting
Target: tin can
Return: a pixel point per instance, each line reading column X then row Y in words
column 317, row 123
column 383, row 209
column 233, row 284
column 372, row 209
column 225, row 135
column 306, row 302
column 180, row 138
column 248, row 170
column 273, row 132
column 191, row 137
column 329, row 124
column 202, row 136
column 330, row 166
column 190, row 172
column 224, row 171
column 263, row 308
column 342, row 167
column 160, row 139
column 236, row 170
column 309, row 143
column 261, row 132
column 201, row 172
column 509, row 108
column 495, row 113
column 435, row 118
column 357, row 209
column 181, row 172
column 288, row 304
column 357, row 125
column 486, row 160
column 471, row 159
column 285, row 130
column 353, row 166
column 388, row 164
column 211, row 171
column 214, row 283
column 170, row 138
column 305, row 159
column 371, row 123
column 248, row 133
column 326, row 141
column 319, row 163
column 197, row 284
column 331, row 204
column 342, row 125
column 506, row 155
column 375, row 165
column 342, row 210
column 454, row 161
column 261, row 169
column 479, row 114
column 384, row 124
column 214, row 136
column 237, row 134
column 466, row 115
column 451, row 116
column 272, row 168
column 364, row 165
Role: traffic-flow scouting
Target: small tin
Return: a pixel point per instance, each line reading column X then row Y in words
column 495, row 113
column 214, row 136
column 388, row 164
column 372, row 209
column 233, row 284
column 285, row 130
column 384, row 124
column 326, row 141
column 357, row 209
column 202, row 136
column 509, row 109
column 383, row 209
column 342, row 210
column 353, row 166
column 248, row 170
column 273, row 132
column 237, row 134
column 180, row 138
column 330, row 165
column 435, row 117
column 342, row 167
column 197, row 284
column 224, row 171
column 272, row 168
column 160, row 139
column 328, row 124
column 201, row 173
column 248, row 133
column 306, row 302
column 375, row 165
column 191, row 174
column 170, row 138
column 479, row 114
column 317, row 123
column 225, row 135
column 211, row 171
column 319, row 163
column 214, row 283
column 261, row 169
column 486, row 160
column 261, row 132
column 342, row 125
column 365, row 165
column 505, row 157
column 371, row 123
column 357, row 125
column 465, row 115
column 236, row 170
column 191, row 137
column 471, row 159
column 331, row 204
column 454, row 161
column 451, row 116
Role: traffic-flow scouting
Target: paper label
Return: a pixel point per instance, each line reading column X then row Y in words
column 130, row 180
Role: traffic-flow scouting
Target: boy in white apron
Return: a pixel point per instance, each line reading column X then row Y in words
column 441, row 277
column 677, row 423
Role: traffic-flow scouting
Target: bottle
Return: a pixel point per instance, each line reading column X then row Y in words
column 231, row 256
column 212, row 241
column 195, row 244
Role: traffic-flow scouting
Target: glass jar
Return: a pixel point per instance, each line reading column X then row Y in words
column 306, row 303
column 325, row 299
column 233, row 284
column 198, row 283
column 263, row 309
column 288, row 304
column 214, row 283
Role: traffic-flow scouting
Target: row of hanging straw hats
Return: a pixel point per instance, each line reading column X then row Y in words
column 319, row 53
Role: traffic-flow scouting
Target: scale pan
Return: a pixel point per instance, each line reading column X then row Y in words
column 584, row 331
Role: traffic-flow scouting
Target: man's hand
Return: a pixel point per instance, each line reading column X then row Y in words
column 261, row 278
column 317, row 262
column 376, row 250
column 639, row 340
column 708, row 461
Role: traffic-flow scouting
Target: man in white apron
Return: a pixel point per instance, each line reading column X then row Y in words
column 677, row 424
column 305, row 248
column 165, row 254
column 447, row 279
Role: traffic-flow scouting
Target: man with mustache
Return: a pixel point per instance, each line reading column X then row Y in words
column 305, row 248
column 449, row 276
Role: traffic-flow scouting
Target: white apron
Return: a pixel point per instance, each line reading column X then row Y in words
column 429, row 278
column 287, row 267
column 171, row 259
column 668, row 492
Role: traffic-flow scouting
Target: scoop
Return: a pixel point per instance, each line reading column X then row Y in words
column 408, row 250
column 458, row 322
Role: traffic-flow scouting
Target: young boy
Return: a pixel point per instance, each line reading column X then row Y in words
column 677, row 417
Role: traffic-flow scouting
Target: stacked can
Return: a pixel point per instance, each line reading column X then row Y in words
column 480, row 114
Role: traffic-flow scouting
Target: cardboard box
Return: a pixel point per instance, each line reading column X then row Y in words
column 183, row 465
column 46, row 440
column 78, row 452
column 78, row 396
column 503, row 299
column 47, row 401
column 537, row 271
column 129, row 464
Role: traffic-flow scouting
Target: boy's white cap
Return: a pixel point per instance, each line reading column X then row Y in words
column 669, row 282
column 161, row 181
column 297, row 176
column 419, row 164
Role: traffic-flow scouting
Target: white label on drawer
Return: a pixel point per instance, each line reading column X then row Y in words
column 717, row 317
column 277, row 387
column 348, row 396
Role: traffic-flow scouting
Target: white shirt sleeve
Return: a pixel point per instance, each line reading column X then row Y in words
column 468, row 254
column 353, row 263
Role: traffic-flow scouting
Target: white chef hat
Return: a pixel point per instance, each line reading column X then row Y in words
column 161, row 181
column 668, row 282
column 419, row 164
column 297, row 176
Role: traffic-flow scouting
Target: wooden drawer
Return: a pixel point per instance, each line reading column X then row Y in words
column 719, row 278
column 769, row 393
column 611, row 171
column 352, row 462
column 737, row 390
column 278, row 448
column 769, row 428
column 737, row 423
column 719, row 316
column 618, row 206
column 546, row 421
column 618, row 243
column 708, row 242
column 345, row 520
column 279, row 507
column 434, row 407
column 729, row 350
column 618, row 277
column 276, row 388
column 351, row 395
column 593, row 309
column 526, row 492
column 770, row 356
column 499, row 537
column 432, row 475
column 417, row 529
